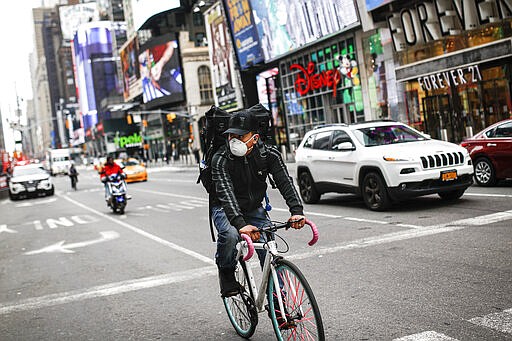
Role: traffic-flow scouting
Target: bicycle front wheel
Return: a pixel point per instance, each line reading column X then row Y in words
column 241, row 308
column 303, row 320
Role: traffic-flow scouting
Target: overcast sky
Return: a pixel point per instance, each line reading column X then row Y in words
column 16, row 40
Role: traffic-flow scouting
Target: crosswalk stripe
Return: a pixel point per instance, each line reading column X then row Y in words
column 426, row 336
column 501, row 321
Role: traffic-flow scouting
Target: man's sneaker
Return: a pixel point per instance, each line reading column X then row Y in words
column 228, row 284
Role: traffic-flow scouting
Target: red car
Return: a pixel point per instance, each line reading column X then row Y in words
column 491, row 153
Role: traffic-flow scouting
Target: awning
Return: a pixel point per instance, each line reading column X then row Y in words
column 476, row 55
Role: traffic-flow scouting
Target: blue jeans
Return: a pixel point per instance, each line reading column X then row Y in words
column 228, row 236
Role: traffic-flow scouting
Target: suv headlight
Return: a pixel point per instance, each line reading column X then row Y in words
column 395, row 158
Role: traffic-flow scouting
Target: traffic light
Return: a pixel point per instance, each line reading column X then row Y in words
column 144, row 123
column 129, row 119
column 171, row 117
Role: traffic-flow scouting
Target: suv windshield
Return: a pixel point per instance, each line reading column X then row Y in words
column 389, row 134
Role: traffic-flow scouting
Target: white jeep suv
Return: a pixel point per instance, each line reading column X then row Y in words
column 383, row 161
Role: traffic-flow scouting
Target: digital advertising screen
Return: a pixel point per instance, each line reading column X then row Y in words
column 95, row 68
column 130, row 67
column 161, row 71
column 286, row 25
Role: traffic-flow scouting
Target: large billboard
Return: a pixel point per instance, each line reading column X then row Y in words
column 266, row 30
column 71, row 17
column 245, row 33
column 130, row 68
column 142, row 10
column 161, row 71
column 96, row 73
column 221, row 58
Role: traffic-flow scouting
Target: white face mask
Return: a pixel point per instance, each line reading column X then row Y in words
column 237, row 147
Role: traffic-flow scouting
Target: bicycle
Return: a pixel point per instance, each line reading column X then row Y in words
column 283, row 282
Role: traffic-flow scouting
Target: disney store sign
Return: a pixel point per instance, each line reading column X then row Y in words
column 307, row 80
column 447, row 79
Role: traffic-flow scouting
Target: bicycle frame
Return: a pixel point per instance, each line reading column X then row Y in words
column 268, row 269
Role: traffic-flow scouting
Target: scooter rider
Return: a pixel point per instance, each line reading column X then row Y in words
column 108, row 169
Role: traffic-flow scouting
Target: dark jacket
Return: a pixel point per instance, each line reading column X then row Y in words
column 240, row 182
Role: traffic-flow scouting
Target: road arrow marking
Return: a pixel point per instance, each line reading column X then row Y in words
column 61, row 247
column 4, row 228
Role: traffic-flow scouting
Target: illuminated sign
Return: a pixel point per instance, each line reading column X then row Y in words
column 441, row 80
column 134, row 140
column 307, row 80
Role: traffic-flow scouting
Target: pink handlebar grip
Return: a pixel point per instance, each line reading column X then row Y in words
column 250, row 246
column 314, row 230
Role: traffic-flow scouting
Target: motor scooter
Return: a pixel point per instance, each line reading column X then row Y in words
column 117, row 193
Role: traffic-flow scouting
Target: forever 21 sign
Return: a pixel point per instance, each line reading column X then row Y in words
column 446, row 79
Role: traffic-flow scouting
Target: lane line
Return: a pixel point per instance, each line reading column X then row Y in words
column 408, row 234
column 501, row 322
column 144, row 233
column 426, row 336
column 489, row 195
column 106, row 290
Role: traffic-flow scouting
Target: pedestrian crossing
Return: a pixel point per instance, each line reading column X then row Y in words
column 500, row 321
column 184, row 205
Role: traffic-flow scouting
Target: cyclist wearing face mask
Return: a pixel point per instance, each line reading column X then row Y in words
column 239, row 172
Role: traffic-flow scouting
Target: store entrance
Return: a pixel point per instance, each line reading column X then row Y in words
column 439, row 122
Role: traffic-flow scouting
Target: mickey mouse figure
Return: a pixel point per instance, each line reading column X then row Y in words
column 349, row 68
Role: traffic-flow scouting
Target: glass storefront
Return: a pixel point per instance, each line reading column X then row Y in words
column 321, row 85
column 459, row 111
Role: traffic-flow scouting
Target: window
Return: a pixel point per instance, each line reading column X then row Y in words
column 339, row 137
column 322, row 140
column 504, row 130
column 309, row 142
column 205, row 84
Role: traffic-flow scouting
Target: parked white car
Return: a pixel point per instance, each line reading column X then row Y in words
column 383, row 161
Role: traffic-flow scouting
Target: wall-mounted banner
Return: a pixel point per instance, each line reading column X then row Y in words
column 245, row 34
column 446, row 79
column 221, row 58
column 307, row 80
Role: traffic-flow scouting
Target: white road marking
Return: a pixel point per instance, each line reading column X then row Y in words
column 144, row 233
column 426, row 336
column 4, row 228
column 489, row 195
column 66, row 248
column 501, row 321
column 408, row 234
column 106, row 290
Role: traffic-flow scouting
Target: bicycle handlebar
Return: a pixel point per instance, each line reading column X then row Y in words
column 250, row 245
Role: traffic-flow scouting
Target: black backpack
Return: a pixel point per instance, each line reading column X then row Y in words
column 212, row 138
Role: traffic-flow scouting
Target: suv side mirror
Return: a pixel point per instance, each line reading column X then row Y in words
column 345, row 146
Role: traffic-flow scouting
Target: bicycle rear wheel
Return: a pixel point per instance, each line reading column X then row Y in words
column 304, row 321
column 241, row 308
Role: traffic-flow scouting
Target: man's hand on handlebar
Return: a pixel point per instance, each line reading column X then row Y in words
column 252, row 231
column 297, row 221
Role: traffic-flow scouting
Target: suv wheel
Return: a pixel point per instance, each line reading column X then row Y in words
column 484, row 172
column 374, row 191
column 307, row 188
column 452, row 195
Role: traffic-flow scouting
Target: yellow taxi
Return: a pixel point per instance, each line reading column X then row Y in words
column 134, row 169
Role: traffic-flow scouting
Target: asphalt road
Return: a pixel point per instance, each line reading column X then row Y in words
column 70, row 269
